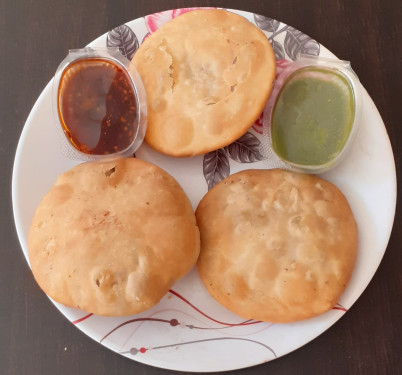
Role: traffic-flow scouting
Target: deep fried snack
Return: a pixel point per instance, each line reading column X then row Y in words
column 111, row 238
column 207, row 75
column 276, row 245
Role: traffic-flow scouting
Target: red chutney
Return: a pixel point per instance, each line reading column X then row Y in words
column 97, row 106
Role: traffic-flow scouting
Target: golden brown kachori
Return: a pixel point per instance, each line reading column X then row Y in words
column 207, row 75
column 276, row 245
column 112, row 237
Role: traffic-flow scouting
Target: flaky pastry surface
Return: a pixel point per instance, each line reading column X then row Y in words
column 207, row 76
column 275, row 245
column 111, row 238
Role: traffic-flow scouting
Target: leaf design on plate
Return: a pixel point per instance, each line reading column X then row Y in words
column 266, row 23
column 145, row 37
column 296, row 42
column 246, row 149
column 216, row 167
column 278, row 50
column 124, row 38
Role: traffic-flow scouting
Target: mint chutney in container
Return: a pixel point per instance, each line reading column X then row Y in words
column 314, row 115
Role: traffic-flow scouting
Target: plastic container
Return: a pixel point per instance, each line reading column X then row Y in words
column 315, row 114
column 99, row 104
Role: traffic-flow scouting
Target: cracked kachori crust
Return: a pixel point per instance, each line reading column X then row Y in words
column 111, row 238
column 207, row 75
column 276, row 245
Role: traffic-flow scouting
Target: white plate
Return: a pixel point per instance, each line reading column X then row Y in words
column 188, row 330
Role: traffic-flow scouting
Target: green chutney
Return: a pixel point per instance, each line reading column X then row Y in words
column 313, row 116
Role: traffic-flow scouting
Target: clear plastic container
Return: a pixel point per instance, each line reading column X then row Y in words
column 316, row 113
column 99, row 104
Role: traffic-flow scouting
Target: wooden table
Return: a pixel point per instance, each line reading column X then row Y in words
column 35, row 36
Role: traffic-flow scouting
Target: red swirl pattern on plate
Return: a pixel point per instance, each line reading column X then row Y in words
column 173, row 322
column 247, row 322
column 82, row 319
column 143, row 350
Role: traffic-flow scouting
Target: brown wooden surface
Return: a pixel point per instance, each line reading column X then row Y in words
column 35, row 36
